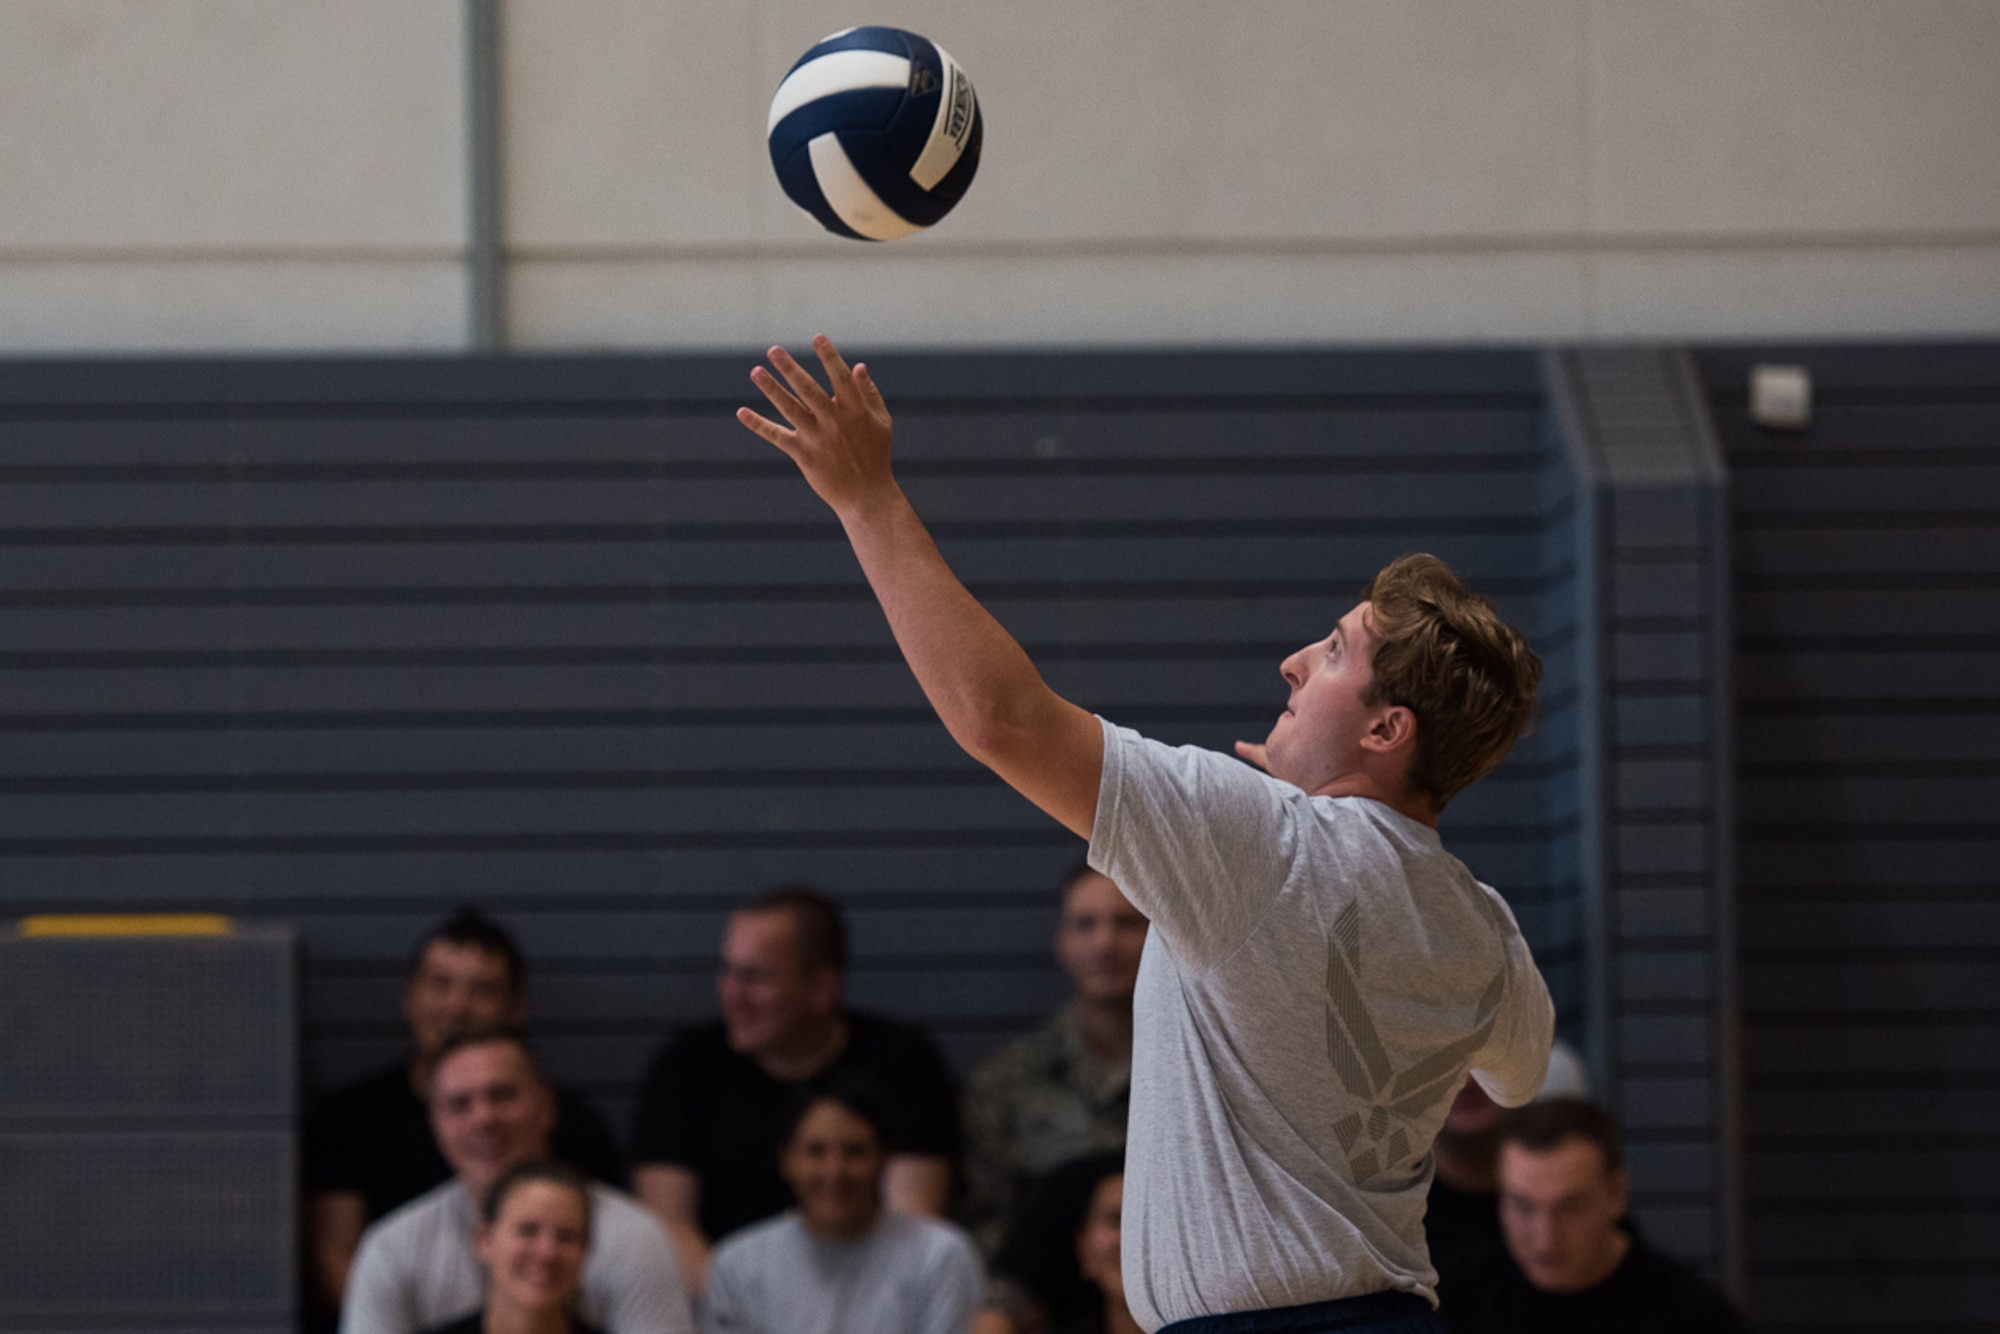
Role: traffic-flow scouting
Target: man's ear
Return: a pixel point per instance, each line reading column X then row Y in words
column 828, row 985
column 1621, row 1192
column 1394, row 728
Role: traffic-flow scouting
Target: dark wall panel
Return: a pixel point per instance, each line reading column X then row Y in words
column 347, row 643
column 1868, row 658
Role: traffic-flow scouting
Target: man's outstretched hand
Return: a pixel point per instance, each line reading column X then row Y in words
column 1252, row 752
column 840, row 440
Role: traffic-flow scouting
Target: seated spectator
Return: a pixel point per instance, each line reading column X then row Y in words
column 840, row 1263
column 1573, row 1261
column 1462, row 1216
column 369, row 1147
column 1051, row 1266
column 418, row 1267
column 1063, row 1090
column 1098, row 1256
column 711, row 1111
column 1034, row 1280
column 534, row 1230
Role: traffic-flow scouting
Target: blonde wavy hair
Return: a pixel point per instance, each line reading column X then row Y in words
column 1442, row 652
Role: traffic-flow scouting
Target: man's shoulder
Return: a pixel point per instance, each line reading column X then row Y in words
column 1675, row 1288
column 937, row 1240
column 619, row 1209
column 697, row 1051
column 1034, row 1056
column 875, row 1037
column 778, row 1232
column 375, row 1094
column 439, row 1212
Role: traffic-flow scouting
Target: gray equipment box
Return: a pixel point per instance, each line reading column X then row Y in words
column 148, row 1144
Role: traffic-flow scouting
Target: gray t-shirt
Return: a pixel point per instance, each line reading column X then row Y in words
column 907, row 1276
column 1319, row 978
column 416, row 1269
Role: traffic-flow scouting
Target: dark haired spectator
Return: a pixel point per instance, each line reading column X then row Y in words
column 419, row 1267
column 1065, row 1089
column 710, row 1117
column 534, row 1231
column 839, row 1261
column 1462, row 1214
column 1042, row 1274
column 1574, row 1261
column 368, row 1146
column 1099, row 1256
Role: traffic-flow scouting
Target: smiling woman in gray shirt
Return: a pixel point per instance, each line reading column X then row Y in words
column 840, row 1261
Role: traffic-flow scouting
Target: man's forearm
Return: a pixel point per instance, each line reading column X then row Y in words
column 990, row 697
column 974, row 673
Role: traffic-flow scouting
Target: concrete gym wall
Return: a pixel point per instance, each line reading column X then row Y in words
column 222, row 175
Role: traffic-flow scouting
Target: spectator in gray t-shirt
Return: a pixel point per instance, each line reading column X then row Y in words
column 418, row 1268
column 840, row 1261
column 1321, row 974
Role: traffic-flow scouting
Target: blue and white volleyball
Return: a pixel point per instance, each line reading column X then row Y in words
column 875, row 133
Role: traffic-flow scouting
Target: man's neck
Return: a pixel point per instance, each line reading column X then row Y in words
column 1106, row 1028
column 1616, row 1249
column 1397, row 798
column 420, row 1068
column 812, row 1051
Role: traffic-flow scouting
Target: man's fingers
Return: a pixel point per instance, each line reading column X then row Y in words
column 801, row 382
column 837, row 373
column 1254, row 753
column 767, row 428
column 837, row 369
column 868, row 389
column 787, row 403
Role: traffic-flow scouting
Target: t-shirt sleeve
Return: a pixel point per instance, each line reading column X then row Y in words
column 329, row 1160
column 377, row 1292
column 584, row 1141
column 638, row 1278
column 953, row 1289
column 1198, row 841
column 723, row 1309
column 666, row 1125
column 1514, row 1062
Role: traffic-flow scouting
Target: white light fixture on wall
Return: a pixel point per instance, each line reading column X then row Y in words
column 1781, row 397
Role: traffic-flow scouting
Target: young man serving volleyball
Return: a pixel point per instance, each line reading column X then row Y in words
column 1321, row 975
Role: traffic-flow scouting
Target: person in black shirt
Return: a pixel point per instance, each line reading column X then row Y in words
column 1574, row 1262
column 369, row 1146
column 706, row 1132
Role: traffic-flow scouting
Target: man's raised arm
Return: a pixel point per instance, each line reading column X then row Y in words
column 988, row 694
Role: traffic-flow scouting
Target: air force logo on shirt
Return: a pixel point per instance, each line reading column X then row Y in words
column 1382, row 1149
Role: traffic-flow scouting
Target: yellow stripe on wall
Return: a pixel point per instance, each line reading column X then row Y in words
column 127, row 924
